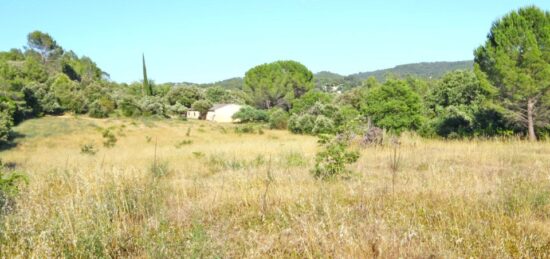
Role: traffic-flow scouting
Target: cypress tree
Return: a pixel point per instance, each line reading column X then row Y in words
column 147, row 89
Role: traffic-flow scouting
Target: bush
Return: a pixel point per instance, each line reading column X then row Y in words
column 6, row 122
column 323, row 125
column 202, row 106
column 331, row 161
column 249, row 114
column 178, row 109
column 109, row 138
column 249, row 129
column 129, row 107
column 88, row 149
column 394, row 106
column 152, row 105
column 278, row 119
column 301, row 124
column 101, row 108
column 9, row 188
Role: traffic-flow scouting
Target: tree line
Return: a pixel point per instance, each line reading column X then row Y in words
column 507, row 92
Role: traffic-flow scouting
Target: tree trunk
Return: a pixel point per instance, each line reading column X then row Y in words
column 530, row 120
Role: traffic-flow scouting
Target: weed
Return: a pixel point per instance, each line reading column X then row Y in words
column 88, row 149
column 109, row 138
column 395, row 162
column 159, row 168
column 331, row 161
column 183, row 143
column 198, row 154
column 9, row 188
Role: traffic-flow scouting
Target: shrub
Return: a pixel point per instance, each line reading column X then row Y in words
column 331, row 161
column 9, row 188
column 183, row 143
column 301, row 124
column 250, row 129
column 249, row 114
column 101, row 108
column 152, row 105
column 178, row 109
column 88, row 149
column 202, row 106
column 394, row 106
column 129, row 107
column 159, row 168
column 6, row 122
column 278, row 119
column 109, row 138
column 323, row 125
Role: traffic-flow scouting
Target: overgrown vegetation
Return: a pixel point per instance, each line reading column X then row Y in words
column 224, row 192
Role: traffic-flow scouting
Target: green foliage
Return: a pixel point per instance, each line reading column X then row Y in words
column 88, row 149
column 249, row 129
column 323, row 125
column 183, row 143
column 301, row 124
column 250, row 114
column 460, row 106
column 219, row 94
column 101, row 108
column 178, row 109
column 427, row 70
column 9, row 187
column 278, row 119
column 277, row 84
column 152, row 105
column 184, row 95
column 305, row 102
column 109, row 138
column 147, row 87
column 43, row 43
column 516, row 60
column 7, row 109
column 202, row 106
column 6, row 122
column 394, row 106
column 333, row 158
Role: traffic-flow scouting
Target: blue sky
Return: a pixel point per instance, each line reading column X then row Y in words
column 211, row 40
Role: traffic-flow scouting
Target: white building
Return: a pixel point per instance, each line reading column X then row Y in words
column 223, row 112
column 218, row 113
column 193, row 114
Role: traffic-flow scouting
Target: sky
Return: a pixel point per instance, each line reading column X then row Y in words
column 211, row 40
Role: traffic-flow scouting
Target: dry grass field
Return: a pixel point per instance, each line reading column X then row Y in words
column 197, row 189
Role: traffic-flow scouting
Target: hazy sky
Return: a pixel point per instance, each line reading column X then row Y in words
column 211, row 40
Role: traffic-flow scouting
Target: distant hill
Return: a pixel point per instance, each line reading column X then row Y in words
column 232, row 83
column 431, row 70
column 425, row 69
column 327, row 79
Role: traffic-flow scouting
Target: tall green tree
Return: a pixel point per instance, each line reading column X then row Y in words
column 394, row 106
column 516, row 60
column 147, row 88
column 277, row 84
column 43, row 43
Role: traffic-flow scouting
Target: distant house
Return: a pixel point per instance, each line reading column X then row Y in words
column 218, row 113
column 223, row 112
column 193, row 114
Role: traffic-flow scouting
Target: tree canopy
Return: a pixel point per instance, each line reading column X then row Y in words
column 516, row 60
column 394, row 106
column 277, row 84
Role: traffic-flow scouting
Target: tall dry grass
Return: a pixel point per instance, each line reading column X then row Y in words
column 222, row 194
